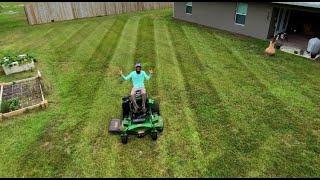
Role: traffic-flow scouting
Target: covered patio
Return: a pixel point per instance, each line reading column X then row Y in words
column 300, row 21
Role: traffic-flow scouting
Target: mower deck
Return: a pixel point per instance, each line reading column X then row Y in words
column 137, row 123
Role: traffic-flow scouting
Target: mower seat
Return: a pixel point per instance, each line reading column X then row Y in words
column 138, row 117
column 138, row 93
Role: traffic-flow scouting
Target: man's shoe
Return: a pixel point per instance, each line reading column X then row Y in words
column 136, row 109
column 144, row 109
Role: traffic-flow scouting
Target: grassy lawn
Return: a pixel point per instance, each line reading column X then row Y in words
column 229, row 111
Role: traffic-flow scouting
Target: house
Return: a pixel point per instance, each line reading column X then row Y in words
column 300, row 20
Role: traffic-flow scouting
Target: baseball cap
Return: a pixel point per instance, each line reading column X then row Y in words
column 138, row 64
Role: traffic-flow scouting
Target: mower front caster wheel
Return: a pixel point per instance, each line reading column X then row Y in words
column 124, row 139
column 154, row 135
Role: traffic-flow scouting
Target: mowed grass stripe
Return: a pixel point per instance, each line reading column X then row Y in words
column 27, row 39
column 97, row 150
column 145, row 52
column 51, row 35
column 16, row 136
column 250, row 79
column 77, row 38
column 212, row 115
column 264, row 80
column 161, row 42
column 34, row 40
column 111, row 94
column 274, row 102
column 24, row 38
column 285, row 79
column 205, row 101
column 44, row 52
column 67, row 124
column 263, row 99
column 89, row 81
column 31, row 34
column 49, row 60
column 83, row 83
column 92, row 74
column 60, row 115
column 303, row 131
column 282, row 86
column 184, row 156
column 67, row 72
column 145, row 165
column 230, row 147
column 76, row 52
column 36, row 34
column 10, row 37
column 34, row 129
column 291, row 70
column 211, row 109
column 281, row 61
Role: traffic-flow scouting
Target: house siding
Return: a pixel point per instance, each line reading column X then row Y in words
column 221, row 15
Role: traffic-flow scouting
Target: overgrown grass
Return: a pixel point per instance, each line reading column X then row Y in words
column 228, row 110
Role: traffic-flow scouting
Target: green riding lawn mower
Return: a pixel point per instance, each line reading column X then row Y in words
column 138, row 122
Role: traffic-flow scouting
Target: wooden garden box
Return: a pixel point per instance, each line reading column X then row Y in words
column 30, row 102
column 16, row 67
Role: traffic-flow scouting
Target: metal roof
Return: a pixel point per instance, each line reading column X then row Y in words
column 304, row 4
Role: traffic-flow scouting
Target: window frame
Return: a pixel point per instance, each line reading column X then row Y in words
column 188, row 6
column 236, row 13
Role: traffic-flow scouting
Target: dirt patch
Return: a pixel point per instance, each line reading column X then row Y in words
column 47, row 145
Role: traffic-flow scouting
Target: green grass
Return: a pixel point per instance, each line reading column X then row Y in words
column 229, row 111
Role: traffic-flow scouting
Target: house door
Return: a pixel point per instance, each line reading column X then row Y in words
column 282, row 19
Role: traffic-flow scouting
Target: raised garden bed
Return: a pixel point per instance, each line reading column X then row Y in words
column 13, row 63
column 20, row 96
column 15, row 68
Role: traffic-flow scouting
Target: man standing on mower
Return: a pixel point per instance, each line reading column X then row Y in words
column 138, row 76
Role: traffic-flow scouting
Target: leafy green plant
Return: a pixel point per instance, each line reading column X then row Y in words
column 12, row 57
column 10, row 105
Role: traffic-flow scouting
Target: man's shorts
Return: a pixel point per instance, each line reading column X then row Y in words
column 133, row 91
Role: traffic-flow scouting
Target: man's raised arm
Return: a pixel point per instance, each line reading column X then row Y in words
column 148, row 76
column 126, row 77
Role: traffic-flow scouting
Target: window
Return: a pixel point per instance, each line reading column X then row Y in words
column 241, row 13
column 189, row 8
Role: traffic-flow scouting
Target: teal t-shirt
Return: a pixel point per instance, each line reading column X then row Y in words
column 137, row 79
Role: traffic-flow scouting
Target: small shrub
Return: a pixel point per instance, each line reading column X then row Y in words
column 10, row 105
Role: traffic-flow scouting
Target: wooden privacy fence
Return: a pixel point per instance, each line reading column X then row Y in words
column 43, row 12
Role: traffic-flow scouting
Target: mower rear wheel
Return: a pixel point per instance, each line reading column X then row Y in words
column 154, row 135
column 124, row 139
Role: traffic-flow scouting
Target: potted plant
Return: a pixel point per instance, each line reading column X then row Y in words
column 13, row 63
